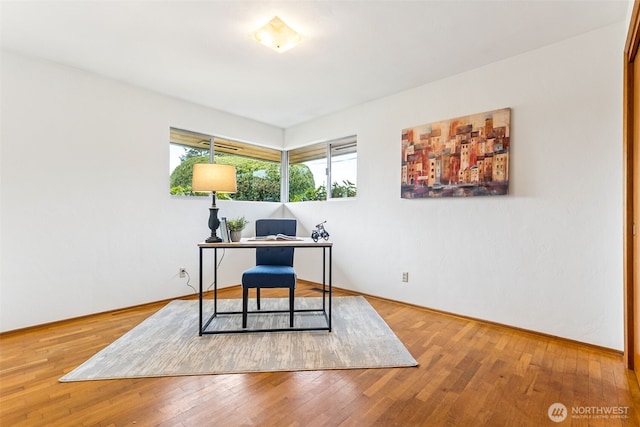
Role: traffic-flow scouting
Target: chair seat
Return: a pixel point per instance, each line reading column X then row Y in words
column 269, row 276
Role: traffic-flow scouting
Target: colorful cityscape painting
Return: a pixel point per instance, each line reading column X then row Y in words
column 461, row 157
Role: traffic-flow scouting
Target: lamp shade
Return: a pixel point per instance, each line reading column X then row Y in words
column 214, row 177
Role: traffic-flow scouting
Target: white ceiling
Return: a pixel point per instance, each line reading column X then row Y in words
column 353, row 51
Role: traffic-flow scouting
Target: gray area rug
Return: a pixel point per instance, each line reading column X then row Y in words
column 167, row 343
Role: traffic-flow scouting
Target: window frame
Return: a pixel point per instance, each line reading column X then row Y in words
column 327, row 147
column 223, row 145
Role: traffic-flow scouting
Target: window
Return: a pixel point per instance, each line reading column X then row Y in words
column 257, row 168
column 313, row 166
column 344, row 156
column 185, row 149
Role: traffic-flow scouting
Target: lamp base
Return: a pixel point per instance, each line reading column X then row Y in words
column 214, row 222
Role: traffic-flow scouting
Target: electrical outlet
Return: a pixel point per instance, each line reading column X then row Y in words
column 405, row 276
column 182, row 271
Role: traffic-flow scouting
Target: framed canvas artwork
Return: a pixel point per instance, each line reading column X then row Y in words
column 461, row 157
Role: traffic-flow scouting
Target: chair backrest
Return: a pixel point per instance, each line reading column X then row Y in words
column 275, row 255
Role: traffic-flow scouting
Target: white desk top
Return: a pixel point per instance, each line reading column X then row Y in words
column 252, row 242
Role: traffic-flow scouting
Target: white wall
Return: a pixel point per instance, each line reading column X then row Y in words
column 547, row 257
column 87, row 224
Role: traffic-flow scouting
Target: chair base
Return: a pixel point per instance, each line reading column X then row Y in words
column 245, row 304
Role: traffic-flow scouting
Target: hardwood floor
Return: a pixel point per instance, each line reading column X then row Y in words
column 470, row 374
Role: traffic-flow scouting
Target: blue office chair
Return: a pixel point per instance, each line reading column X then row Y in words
column 274, row 266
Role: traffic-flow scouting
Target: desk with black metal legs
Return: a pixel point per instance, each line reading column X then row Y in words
column 324, row 310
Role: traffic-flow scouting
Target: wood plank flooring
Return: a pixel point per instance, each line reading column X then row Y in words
column 470, row 374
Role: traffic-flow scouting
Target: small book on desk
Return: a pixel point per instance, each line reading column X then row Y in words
column 275, row 237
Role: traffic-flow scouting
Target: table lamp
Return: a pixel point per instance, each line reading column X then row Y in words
column 216, row 178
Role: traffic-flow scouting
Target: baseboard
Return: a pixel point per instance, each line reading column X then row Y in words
column 590, row 346
column 47, row 325
column 318, row 287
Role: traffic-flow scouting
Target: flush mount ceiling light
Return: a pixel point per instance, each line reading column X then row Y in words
column 277, row 35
